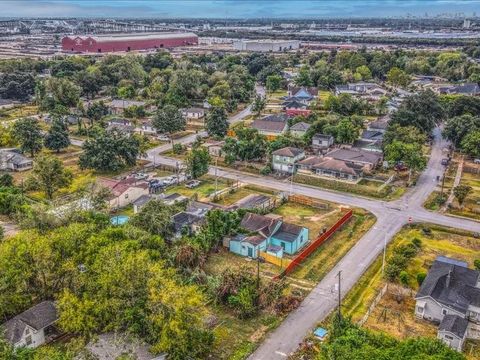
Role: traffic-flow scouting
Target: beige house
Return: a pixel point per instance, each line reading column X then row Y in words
column 124, row 192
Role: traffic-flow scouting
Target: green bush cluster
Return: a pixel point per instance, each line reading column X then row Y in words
column 397, row 264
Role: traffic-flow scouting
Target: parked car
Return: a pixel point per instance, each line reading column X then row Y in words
column 163, row 137
column 400, row 166
column 476, row 161
column 445, row 161
column 140, row 176
column 192, row 184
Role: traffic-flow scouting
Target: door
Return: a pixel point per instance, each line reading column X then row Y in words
column 250, row 252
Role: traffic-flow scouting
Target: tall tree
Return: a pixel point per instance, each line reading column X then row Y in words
column 57, row 137
column 461, row 192
column 197, row 162
column 109, row 151
column 458, row 127
column 49, row 175
column 169, row 120
column 422, row 110
column 28, row 134
column 471, row 144
column 274, row 82
column 216, row 122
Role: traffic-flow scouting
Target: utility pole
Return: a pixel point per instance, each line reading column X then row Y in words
column 339, row 294
column 384, row 252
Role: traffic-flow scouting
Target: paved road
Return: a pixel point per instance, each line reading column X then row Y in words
column 391, row 217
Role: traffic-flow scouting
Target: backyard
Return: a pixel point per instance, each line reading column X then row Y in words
column 394, row 313
column 237, row 338
column 203, row 191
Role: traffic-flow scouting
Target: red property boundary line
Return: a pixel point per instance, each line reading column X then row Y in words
column 315, row 244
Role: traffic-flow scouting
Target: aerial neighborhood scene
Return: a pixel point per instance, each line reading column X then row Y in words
column 230, row 179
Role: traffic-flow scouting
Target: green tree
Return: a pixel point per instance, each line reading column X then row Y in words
column 458, row 127
column 303, row 78
column 109, row 151
column 197, row 162
column 28, row 134
column 398, row 77
column 156, row 218
column 364, row 72
column 216, row 122
column 410, row 154
column 96, row 111
column 461, row 192
column 404, row 134
column 259, row 104
column 476, row 264
column 346, row 132
column 169, row 120
column 422, row 110
column 49, row 175
column 274, row 82
column 471, row 144
column 57, row 136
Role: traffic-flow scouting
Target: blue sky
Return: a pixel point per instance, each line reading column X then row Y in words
column 233, row 8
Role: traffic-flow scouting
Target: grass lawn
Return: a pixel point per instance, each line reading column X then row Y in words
column 394, row 314
column 471, row 206
column 231, row 198
column 18, row 111
column 206, row 188
column 363, row 187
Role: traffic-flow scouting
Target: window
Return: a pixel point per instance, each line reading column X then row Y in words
column 419, row 309
column 444, row 311
column 282, row 244
column 126, row 196
column 448, row 337
column 28, row 340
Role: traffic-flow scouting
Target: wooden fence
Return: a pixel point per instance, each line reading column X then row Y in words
column 315, row 244
column 272, row 259
column 308, row 201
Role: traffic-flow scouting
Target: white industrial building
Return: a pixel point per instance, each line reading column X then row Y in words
column 265, row 45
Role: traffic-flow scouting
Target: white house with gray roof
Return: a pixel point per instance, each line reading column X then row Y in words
column 13, row 160
column 284, row 160
column 31, row 328
column 450, row 297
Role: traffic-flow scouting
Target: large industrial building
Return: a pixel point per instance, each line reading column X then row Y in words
column 266, row 45
column 130, row 42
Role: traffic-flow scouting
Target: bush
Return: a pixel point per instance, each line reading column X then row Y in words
column 476, row 263
column 417, row 242
column 404, row 277
column 267, row 169
column 420, row 277
column 177, row 149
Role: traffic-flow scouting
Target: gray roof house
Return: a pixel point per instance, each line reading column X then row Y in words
column 322, row 141
column 284, row 160
column 450, row 296
column 367, row 159
column 463, row 89
column 13, row 160
column 299, row 129
column 28, row 328
column 272, row 125
column 330, row 168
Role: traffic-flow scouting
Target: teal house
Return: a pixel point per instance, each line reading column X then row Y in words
column 271, row 235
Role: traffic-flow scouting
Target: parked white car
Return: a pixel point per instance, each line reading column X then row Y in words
column 163, row 137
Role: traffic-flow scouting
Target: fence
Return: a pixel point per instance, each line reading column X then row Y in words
column 315, row 244
column 272, row 259
column 472, row 169
column 304, row 200
column 372, row 306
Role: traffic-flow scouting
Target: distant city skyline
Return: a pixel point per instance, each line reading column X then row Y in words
column 235, row 8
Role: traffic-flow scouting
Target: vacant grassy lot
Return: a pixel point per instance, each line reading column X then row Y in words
column 471, row 206
column 240, row 193
column 394, row 314
column 206, row 188
column 366, row 188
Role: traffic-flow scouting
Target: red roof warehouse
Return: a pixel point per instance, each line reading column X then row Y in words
column 99, row 44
